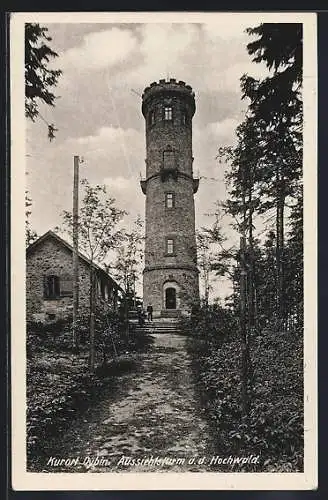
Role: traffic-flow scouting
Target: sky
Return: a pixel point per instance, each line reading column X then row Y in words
column 106, row 67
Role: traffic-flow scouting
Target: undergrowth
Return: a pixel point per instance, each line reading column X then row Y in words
column 59, row 383
column 273, row 427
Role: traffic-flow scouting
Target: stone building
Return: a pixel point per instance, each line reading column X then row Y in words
column 170, row 276
column 49, row 283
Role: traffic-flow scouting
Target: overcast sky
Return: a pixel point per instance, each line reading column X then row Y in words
column 98, row 113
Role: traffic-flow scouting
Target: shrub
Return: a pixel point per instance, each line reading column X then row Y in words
column 274, row 426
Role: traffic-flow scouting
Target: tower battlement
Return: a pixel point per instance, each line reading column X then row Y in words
column 169, row 88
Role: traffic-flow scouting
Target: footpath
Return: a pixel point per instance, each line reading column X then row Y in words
column 154, row 423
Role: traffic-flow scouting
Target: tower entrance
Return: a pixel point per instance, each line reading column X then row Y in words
column 170, row 298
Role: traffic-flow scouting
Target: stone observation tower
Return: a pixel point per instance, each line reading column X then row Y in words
column 170, row 276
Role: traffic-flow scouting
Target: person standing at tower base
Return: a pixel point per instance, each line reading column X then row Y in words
column 150, row 312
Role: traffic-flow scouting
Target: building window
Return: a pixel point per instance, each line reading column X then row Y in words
column 168, row 160
column 170, row 246
column 169, row 200
column 168, row 113
column 184, row 118
column 51, row 288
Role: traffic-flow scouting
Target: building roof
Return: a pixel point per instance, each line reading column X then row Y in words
column 61, row 241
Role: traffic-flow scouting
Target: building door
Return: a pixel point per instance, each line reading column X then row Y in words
column 170, row 298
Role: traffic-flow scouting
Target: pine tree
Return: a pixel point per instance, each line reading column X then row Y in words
column 276, row 107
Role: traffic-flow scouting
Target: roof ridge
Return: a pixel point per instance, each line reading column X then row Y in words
column 61, row 240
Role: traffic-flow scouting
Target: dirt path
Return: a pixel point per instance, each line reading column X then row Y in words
column 155, row 416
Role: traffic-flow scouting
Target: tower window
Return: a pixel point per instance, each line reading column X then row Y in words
column 169, row 200
column 168, row 113
column 169, row 160
column 184, row 118
column 170, row 246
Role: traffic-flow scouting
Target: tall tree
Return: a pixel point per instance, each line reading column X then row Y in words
column 212, row 258
column 126, row 266
column 204, row 261
column 244, row 201
column 99, row 234
column 276, row 106
column 265, row 173
column 40, row 78
column 294, row 264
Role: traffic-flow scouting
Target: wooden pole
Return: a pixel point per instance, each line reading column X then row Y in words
column 75, row 251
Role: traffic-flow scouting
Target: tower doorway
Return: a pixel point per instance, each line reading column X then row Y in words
column 170, row 298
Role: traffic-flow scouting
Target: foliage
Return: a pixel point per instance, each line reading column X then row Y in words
column 39, row 77
column 97, row 223
column 59, row 385
column 30, row 234
column 273, row 428
column 109, row 340
column 279, row 46
column 264, row 178
column 128, row 257
column 98, row 235
column 211, row 324
column 212, row 258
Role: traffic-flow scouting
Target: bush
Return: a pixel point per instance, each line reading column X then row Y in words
column 274, row 426
column 59, row 385
column 212, row 324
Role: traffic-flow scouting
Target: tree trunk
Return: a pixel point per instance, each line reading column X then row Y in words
column 92, row 319
column 280, row 248
column 126, row 308
column 206, row 286
column 126, row 315
column 251, row 276
column 75, row 339
column 243, row 329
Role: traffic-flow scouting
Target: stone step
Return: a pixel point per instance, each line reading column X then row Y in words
column 154, row 332
column 157, row 329
column 157, row 325
column 172, row 313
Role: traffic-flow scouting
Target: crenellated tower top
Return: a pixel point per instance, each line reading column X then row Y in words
column 168, row 88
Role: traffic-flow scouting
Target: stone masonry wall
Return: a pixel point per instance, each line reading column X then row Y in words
column 177, row 222
column 188, row 286
column 51, row 258
column 166, row 134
